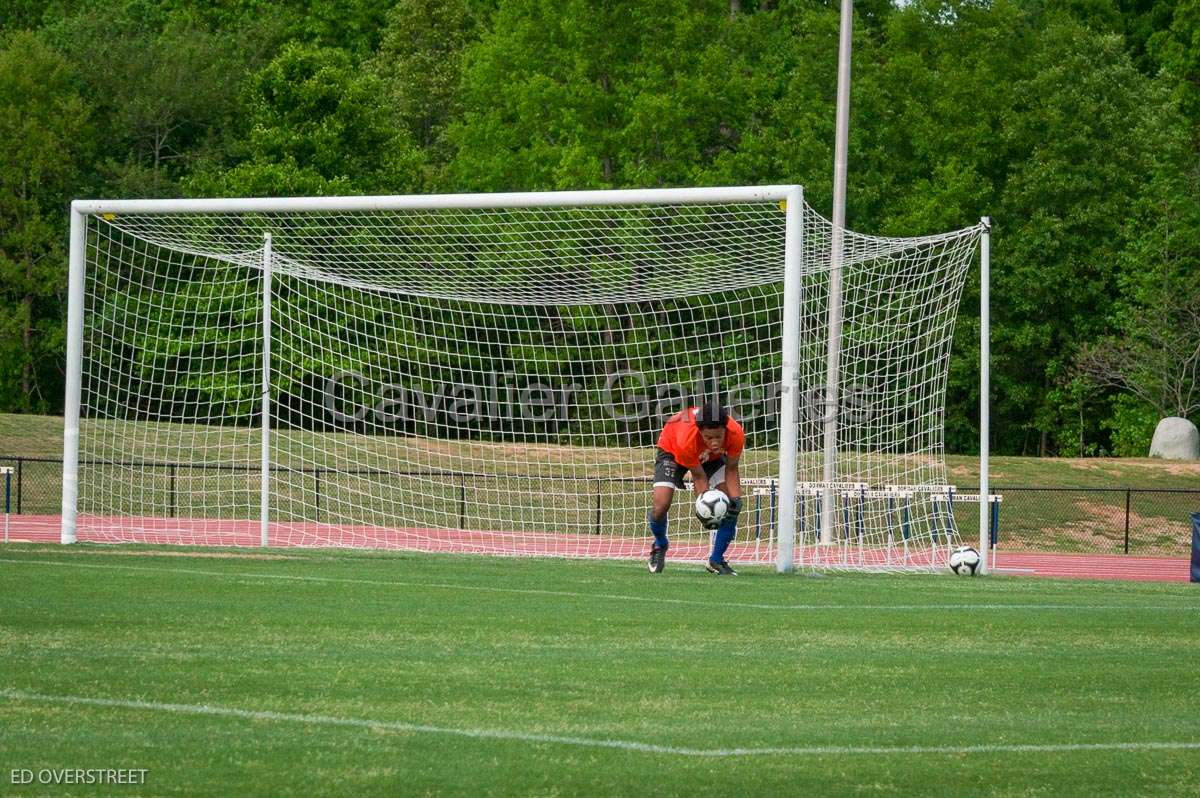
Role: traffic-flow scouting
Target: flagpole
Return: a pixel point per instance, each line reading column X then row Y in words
column 834, row 349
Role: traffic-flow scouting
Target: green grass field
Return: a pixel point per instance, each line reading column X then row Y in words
column 318, row 672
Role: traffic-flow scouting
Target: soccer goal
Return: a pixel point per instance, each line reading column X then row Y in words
column 489, row 373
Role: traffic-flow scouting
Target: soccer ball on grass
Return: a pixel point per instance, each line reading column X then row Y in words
column 964, row 561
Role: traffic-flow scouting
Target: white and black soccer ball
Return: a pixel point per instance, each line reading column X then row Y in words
column 711, row 506
column 964, row 561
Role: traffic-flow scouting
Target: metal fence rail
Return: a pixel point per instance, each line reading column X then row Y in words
column 1136, row 521
column 1117, row 520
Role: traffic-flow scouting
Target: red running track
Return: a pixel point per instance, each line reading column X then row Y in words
column 205, row 532
column 1095, row 566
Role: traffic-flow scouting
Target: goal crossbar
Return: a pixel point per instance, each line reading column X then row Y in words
column 524, row 199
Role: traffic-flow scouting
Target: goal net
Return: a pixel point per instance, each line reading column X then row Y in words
column 490, row 373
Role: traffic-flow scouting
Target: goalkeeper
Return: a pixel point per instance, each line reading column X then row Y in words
column 708, row 443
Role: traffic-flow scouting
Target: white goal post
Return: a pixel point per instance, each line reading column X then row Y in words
column 488, row 372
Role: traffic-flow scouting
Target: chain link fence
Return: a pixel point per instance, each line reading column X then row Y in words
column 1144, row 522
column 36, row 485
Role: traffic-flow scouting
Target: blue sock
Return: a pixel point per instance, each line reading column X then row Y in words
column 722, row 540
column 659, row 530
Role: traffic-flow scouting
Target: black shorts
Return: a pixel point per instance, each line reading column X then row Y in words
column 669, row 474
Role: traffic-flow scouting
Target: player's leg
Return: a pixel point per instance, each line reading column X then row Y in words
column 668, row 477
column 728, row 528
column 659, row 506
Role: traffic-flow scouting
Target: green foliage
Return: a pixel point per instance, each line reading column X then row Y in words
column 1101, row 16
column 587, row 95
column 420, row 62
column 1154, row 350
column 44, row 130
column 354, row 25
column 1177, row 49
column 163, row 88
column 1132, row 426
column 1142, row 20
column 29, row 14
column 1068, row 200
column 317, row 125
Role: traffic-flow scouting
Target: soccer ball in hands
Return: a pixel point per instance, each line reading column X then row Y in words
column 964, row 561
column 711, row 506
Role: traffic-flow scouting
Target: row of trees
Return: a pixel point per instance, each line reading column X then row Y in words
column 1075, row 125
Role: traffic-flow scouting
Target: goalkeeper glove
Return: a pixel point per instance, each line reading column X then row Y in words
column 735, row 508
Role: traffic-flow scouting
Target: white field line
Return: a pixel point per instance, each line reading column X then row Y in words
column 606, row 596
column 555, row 739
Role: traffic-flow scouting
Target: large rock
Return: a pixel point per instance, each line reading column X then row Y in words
column 1175, row 439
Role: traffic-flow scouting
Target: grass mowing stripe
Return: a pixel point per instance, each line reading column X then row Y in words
column 624, row 745
column 609, row 596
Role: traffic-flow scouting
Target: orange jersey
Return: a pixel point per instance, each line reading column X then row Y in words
column 681, row 437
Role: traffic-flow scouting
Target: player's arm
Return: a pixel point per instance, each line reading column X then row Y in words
column 733, row 489
column 733, row 479
column 700, row 483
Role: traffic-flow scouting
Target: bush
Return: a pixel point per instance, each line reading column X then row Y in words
column 1132, row 424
